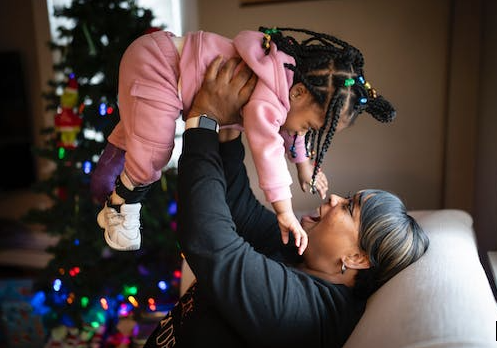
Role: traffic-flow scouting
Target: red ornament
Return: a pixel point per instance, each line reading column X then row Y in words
column 67, row 122
column 67, row 125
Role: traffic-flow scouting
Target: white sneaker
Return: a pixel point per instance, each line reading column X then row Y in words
column 122, row 228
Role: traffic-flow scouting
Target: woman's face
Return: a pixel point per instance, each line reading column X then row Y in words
column 333, row 232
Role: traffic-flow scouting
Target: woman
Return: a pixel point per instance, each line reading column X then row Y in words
column 251, row 289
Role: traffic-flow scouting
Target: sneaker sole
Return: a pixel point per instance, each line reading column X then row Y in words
column 101, row 223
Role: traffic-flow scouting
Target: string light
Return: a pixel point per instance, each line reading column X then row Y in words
column 87, row 167
column 57, row 284
column 62, row 153
column 70, row 298
column 177, row 273
column 124, row 309
column 151, row 304
column 104, row 303
column 74, row 271
column 38, row 303
column 130, row 290
column 84, row 301
column 172, row 208
column 102, row 109
column 133, row 301
column 162, row 285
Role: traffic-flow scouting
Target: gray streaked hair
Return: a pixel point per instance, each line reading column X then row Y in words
column 390, row 237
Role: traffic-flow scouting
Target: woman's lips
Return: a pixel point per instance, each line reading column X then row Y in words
column 314, row 217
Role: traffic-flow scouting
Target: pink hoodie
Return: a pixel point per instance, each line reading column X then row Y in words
column 263, row 115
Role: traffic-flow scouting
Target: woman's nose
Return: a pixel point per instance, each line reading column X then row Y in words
column 334, row 199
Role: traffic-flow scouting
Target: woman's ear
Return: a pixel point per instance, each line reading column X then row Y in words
column 357, row 261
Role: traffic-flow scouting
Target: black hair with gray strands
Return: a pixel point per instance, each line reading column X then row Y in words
column 391, row 238
column 322, row 64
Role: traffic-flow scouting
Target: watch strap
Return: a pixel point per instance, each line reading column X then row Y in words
column 202, row 121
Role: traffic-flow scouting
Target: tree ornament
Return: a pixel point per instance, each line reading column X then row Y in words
column 67, row 125
column 67, row 122
column 69, row 97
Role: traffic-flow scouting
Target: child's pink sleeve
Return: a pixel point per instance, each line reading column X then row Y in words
column 299, row 147
column 262, row 122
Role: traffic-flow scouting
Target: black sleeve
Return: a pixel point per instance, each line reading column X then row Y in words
column 264, row 300
column 253, row 221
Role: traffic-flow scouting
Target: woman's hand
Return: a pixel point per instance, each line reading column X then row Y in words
column 225, row 89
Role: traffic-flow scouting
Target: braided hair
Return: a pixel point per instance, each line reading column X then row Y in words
column 332, row 71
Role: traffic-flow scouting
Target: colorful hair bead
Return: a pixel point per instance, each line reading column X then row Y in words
column 349, row 82
column 271, row 31
column 265, row 43
column 361, row 79
column 267, row 39
column 293, row 149
column 371, row 91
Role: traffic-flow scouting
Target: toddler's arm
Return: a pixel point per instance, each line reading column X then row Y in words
column 289, row 222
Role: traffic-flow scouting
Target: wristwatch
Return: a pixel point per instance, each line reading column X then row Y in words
column 202, row 121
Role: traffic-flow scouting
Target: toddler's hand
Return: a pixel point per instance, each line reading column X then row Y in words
column 305, row 170
column 289, row 222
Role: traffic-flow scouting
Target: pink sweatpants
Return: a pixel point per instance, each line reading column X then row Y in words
column 148, row 105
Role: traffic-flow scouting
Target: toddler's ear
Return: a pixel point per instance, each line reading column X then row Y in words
column 298, row 90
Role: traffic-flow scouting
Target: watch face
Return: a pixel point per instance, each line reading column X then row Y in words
column 206, row 122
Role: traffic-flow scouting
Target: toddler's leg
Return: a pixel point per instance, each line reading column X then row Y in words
column 149, row 106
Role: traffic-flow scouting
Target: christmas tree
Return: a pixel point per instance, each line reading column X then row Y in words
column 86, row 284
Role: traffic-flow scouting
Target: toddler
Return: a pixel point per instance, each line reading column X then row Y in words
column 306, row 91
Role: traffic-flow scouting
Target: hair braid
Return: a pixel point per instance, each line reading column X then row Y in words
column 333, row 113
column 332, row 71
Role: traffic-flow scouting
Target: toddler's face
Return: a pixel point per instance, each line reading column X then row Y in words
column 304, row 115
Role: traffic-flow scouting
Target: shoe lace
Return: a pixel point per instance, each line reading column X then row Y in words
column 128, row 221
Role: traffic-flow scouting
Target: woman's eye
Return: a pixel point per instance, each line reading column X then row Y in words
column 350, row 205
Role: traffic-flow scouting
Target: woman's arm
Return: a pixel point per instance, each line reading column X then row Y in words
column 261, row 298
column 266, row 302
column 254, row 222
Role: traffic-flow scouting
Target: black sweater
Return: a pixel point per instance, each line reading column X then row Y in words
column 247, row 292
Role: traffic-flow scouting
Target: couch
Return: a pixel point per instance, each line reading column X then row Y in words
column 443, row 300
